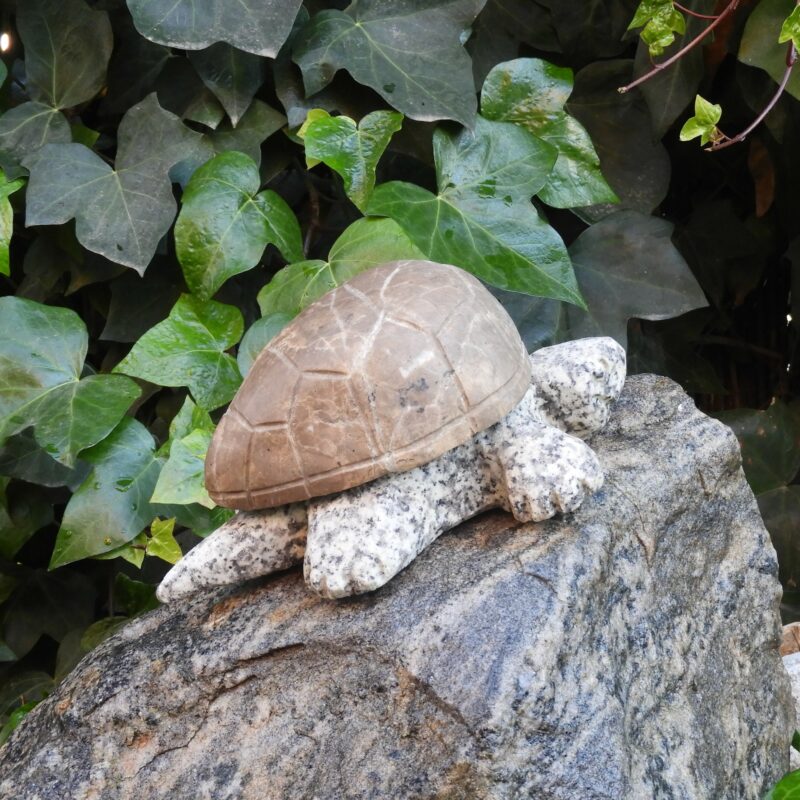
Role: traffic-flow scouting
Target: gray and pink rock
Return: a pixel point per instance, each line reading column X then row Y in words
column 395, row 407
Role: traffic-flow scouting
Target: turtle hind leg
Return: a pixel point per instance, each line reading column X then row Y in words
column 251, row 544
column 542, row 471
column 358, row 540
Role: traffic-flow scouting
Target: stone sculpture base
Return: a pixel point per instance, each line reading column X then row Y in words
column 629, row 650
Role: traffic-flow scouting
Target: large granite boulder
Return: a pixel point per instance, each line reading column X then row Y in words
column 629, row 650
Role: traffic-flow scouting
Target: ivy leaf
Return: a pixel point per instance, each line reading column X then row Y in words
column 257, row 337
column 502, row 26
column 188, row 349
column 22, row 457
column 364, row 244
column 670, row 91
column 182, row 480
column 646, row 10
column 633, row 160
column 770, row 442
column 291, row 92
column 757, row 48
column 134, row 68
column 77, row 414
column 112, row 505
column 42, row 349
column 259, row 28
column 232, row 75
column 204, row 109
column 134, row 597
column 790, row 30
column 190, row 417
column 162, row 542
column 137, row 303
column 22, row 512
column 349, row 149
column 201, row 521
column 225, row 223
column 121, row 213
column 133, row 552
column 780, row 510
column 414, row 59
column 533, row 93
column 661, row 21
column 703, row 123
column 627, row 266
column 67, row 48
column 99, row 631
column 592, row 29
column 182, row 92
column 482, row 218
column 29, row 127
column 44, row 604
column 6, row 220
column 259, row 122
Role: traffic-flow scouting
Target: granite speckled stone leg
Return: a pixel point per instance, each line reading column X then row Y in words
column 360, row 539
column 578, row 382
column 251, row 544
column 543, row 471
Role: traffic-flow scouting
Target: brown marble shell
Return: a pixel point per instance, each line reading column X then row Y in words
column 384, row 373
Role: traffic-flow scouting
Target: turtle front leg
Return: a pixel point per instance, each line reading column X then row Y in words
column 359, row 539
column 249, row 545
column 543, row 471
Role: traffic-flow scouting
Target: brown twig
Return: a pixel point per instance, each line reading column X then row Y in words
column 694, row 13
column 727, row 141
column 729, row 9
column 725, row 341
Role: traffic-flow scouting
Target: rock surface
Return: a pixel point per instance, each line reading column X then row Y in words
column 629, row 650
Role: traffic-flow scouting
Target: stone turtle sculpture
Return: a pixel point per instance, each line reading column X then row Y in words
column 395, row 407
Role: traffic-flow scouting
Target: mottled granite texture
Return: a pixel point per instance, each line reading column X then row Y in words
column 362, row 537
column 251, row 544
column 792, row 665
column 578, row 381
column 627, row 651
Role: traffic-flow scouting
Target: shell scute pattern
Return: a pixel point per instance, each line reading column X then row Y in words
column 383, row 374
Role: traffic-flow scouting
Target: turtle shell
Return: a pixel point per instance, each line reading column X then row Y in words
column 383, row 374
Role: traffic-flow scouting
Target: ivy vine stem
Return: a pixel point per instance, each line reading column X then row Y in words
column 727, row 141
column 729, row 9
column 697, row 14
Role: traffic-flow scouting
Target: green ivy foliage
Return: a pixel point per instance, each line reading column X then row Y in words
column 177, row 186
